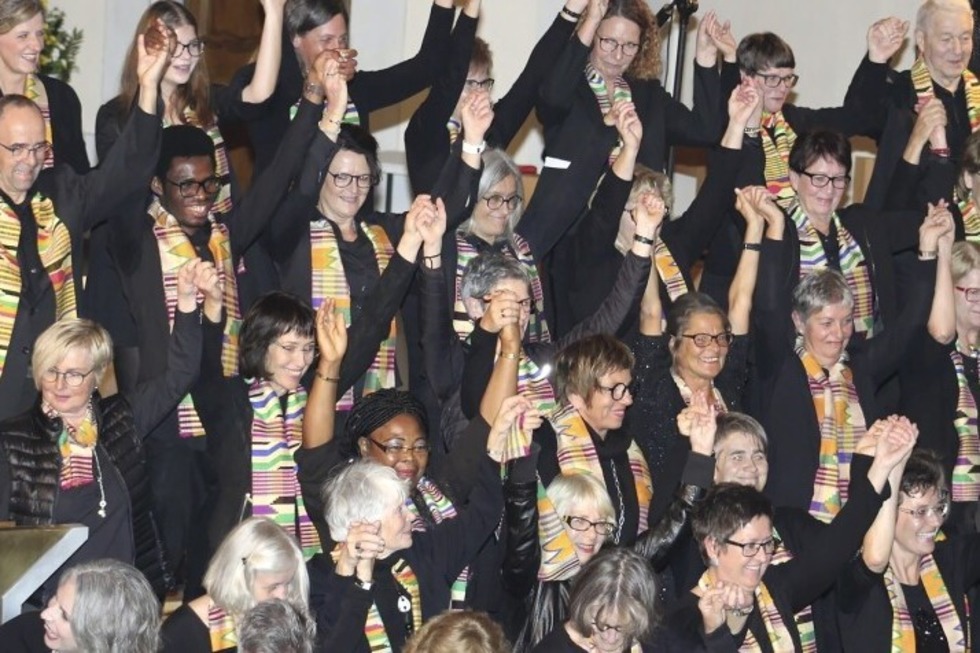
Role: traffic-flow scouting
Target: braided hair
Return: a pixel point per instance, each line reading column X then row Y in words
column 377, row 409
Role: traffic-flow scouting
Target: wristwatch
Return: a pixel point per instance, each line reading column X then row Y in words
column 363, row 584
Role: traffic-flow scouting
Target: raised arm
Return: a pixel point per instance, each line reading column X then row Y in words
column 331, row 341
column 942, row 316
column 263, row 82
column 650, row 208
column 749, row 202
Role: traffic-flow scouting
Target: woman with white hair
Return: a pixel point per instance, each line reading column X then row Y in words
column 258, row 561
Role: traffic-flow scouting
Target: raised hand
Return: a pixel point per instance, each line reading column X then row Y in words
column 596, row 11
column 516, row 410
column 502, row 308
column 936, row 224
column 714, row 37
column 623, row 115
column 273, row 6
column 153, row 51
column 885, row 37
column 946, row 239
column 930, row 125
column 721, row 35
column 420, row 210
column 360, row 550
column 331, row 333
column 745, row 104
column 717, row 600
column 432, row 225
column 649, row 213
column 895, row 444
column 334, row 85
column 476, row 115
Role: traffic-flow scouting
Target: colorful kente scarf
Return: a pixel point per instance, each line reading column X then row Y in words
column 842, row 425
column 971, row 220
column 35, row 92
column 374, row 628
column 924, row 91
column 330, row 280
column 966, row 471
column 76, row 445
column 533, row 384
column 455, row 128
column 668, row 270
column 780, row 637
column 903, row 631
column 519, row 249
column 175, row 251
column 222, row 202
column 621, row 91
column 777, row 141
column 803, row 618
column 54, row 248
column 221, row 629
column 853, row 265
column 687, row 395
column 351, row 116
column 275, row 437
column 441, row 509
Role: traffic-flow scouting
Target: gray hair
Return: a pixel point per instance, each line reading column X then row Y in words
column 731, row 423
column 929, row 8
column 569, row 491
column 819, row 289
column 644, row 179
column 115, row 609
column 276, row 626
column 482, row 274
column 256, row 546
column 497, row 166
column 616, row 581
column 363, row 491
column 57, row 340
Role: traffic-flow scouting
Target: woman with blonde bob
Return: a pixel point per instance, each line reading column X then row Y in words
column 258, row 561
column 473, row 632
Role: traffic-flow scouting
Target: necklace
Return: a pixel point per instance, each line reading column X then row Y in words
column 98, row 477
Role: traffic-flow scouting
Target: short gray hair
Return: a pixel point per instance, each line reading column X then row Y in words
column 276, row 626
column 57, row 340
column 497, row 166
column 484, row 271
column 363, row 491
column 568, row 491
column 256, row 546
column 928, row 8
column 819, row 289
column 115, row 608
column 616, row 581
column 734, row 422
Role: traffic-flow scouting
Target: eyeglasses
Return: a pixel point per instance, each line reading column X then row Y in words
column 480, row 84
column 194, row 48
column 970, row 294
column 940, row 510
column 603, row 528
column 611, row 45
column 21, row 150
column 605, row 628
column 750, row 549
column 702, row 340
column 72, row 379
column 308, row 351
column 494, row 202
column 343, row 179
column 396, row 450
column 618, row 391
column 191, row 187
column 772, row 81
column 819, row 181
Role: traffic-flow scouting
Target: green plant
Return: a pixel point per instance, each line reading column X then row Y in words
column 61, row 46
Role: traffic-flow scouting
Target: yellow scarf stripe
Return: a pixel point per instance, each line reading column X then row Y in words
column 903, row 631
column 966, row 471
column 441, row 509
column 780, row 638
column 374, row 628
column 971, row 220
column 621, row 92
column 924, row 91
column 221, row 629
column 777, row 141
column 669, row 272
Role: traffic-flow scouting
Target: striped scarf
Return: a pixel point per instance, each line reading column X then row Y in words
column 54, row 248
column 853, row 265
column 374, row 628
column 903, row 631
column 803, row 618
column 780, row 637
column 275, row 437
column 924, row 91
column 966, row 471
column 455, row 128
column 842, row 425
column 35, row 92
column 533, row 384
column 519, row 249
column 687, row 395
column 175, row 251
column 669, row 272
column 329, row 280
column 777, row 141
column 222, row 169
column 76, row 445
column 221, row 629
column 621, row 91
column 971, row 220
column 441, row 509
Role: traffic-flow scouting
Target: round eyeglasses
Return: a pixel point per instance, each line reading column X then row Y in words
column 702, row 340
column 494, row 202
column 72, row 378
column 750, row 549
column 618, row 391
column 611, row 45
column 194, row 48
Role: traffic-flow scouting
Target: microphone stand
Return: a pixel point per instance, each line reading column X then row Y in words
column 684, row 9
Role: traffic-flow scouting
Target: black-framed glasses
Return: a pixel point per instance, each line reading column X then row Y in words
column 72, row 378
column 750, row 549
column 343, row 179
column 621, row 630
column 194, row 48
column 191, row 187
column 702, row 340
column 971, row 295
column 395, row 450
column 820, row 181
column 618, row 391
column 603, row 528
column 495, row 201
column 772, row 81
column 940, row 510
column 611, row 45
column 21, row 150
column 480, row 84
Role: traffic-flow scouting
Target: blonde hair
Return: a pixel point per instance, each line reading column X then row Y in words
column 57, row 340
column 966, row 257
column 645, row 178
column 473, row 632
column 15, row 12
column 571, row 491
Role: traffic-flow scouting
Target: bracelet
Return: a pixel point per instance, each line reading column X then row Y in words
column 643, row 239
column 437, row 255
column 928, row 254
column 752, row 131
column 509, row 356
column 942, row 152
column 753, row 247
column 571, row 14
column 474, row 149
column 363, row 584
column 315, row 89
column 328, row 379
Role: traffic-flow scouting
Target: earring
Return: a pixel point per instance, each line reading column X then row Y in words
column 713, row 562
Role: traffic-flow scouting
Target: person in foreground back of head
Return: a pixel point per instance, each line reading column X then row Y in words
column 473, row 632
column 276, row 626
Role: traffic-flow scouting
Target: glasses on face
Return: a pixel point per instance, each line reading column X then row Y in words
column 21, row 150
column 72, row 379
column 772, row 81
column 940, row 510
column 194, row 48
column 343, row 180
column 750, row 549
column 291, row 348
column 397, row 450
column 618, row 391
column 607, row 628
column 819, row 181
column 970, row 294
column 702, row 340
column 494, row 202
column 611, row 45
column 603, row 528
column 191, row 187
column 480, row 84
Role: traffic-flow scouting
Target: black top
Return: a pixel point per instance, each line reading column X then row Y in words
column 184, row 632
column 24, row 634
column 66, row 124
